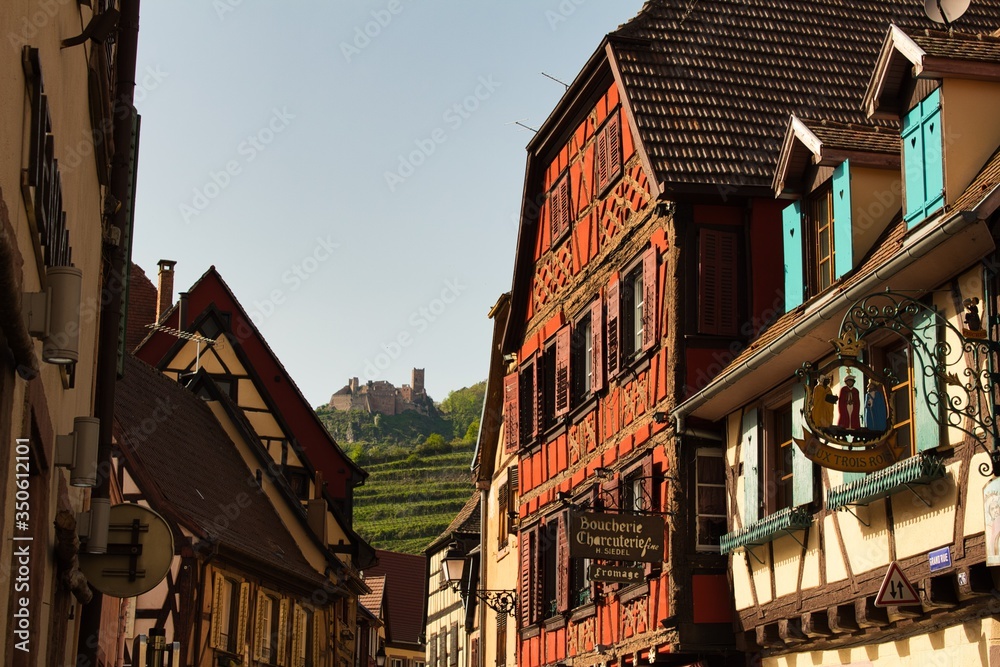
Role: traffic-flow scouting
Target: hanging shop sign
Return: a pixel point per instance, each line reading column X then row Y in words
column 618, row 574
column 991, row 515
column 621, row 537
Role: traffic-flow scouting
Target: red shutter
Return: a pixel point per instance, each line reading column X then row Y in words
column 511, row 422
column 717, row 289
column 602, row 158
column 559, row 207
column 649, row 488
column 538, row 397
column 614, row 131
column 562, row 371
column 597, row 345
column 649, row 309
column 566, row 202
column 562, row 564
column 538, row 575
column 524, row 539
column 614, row 305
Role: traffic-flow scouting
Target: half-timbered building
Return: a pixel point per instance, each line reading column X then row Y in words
column 861, row 451
column 649, row 257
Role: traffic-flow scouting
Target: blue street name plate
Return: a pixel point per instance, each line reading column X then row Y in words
column 939, row 559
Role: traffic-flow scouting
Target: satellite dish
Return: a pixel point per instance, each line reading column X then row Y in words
column 140, row 550
column 945, row 11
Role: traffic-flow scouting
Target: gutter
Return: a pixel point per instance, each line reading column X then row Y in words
column 834, row 304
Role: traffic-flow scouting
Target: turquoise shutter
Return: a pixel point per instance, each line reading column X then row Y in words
column 802, row 467
column 926, row 384
column 843, row 244
column 791, row 230
column 923, row 166
column 751, row 467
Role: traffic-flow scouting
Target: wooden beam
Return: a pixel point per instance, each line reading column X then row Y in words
column 940, row 592
column 841, row 619
column 973, row 581
column 767, row 636
column 790, row 631
column 868, row 615
column 895, row 613
column 816, row 624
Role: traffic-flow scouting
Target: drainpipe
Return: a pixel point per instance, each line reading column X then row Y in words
column 112, row 284
column 834, row 304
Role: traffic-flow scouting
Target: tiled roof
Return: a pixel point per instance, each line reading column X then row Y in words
column 175, row 441
column 405, row 592
column 942, row 44
column 466, row 522
column 854, row 137
column 373, row 601
column 712, row 83
column 982, row 185
column 141, row 307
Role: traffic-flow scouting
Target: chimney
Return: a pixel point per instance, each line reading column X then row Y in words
column 165, row 288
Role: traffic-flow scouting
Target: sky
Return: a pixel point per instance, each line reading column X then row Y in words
column 353, row 169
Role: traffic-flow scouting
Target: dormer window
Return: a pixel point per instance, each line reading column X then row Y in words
column 923, row 168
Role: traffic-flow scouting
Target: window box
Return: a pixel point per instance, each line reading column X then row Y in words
column 767, row 529
column 920, row 469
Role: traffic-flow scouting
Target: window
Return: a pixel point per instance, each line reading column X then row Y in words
column 717, row 282
column 582, row 359
column 710, row 498
column 527, row 408
column 579, row 582
column 309, row 639
column 550, row 567
column 821, row 241
column 608, row 162
column 268, row 631
column 507, row 504
column 632, row 313
column 228, row 613
column 559, row 208
column 501, row 640
column 637, row 312
column 546, row 397
column 635, row 498
column 397, row 662
column 923, row 168
column 778, row 469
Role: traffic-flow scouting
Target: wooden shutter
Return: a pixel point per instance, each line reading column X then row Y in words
column 843, row 233
column 601, row 163
column 751, row 467
column 614, row 130
column 928, row 393
column 803, row 477
column 562, row 563
column 923, row 168
column 652, row 502
column 473, row 651
column 795, row 277
column 614, row 330
column 525, row 593
column 298, row 650
column 320, row 637
column 218, row 602
column 538, row 602
column 262, row 625
column 503, row 525
column 511, row 418
column 559, row 205
column 649, row 310
column 432, row 657
column 281, row 644
column 538, row 400
column 562, row 371
column 597, row 346
column 717, row 283
column 244, row 617
column 453, row 645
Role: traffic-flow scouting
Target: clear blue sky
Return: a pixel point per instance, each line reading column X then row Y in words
column 351, row 167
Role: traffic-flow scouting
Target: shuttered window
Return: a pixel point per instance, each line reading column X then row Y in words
column 923, row 166
column 559, row 208
column 562, row 372
column 803, row 470
column 582, row 358
column 717, row 282
column 710, row 498
column 562, row 565
column 613, row 329
column 432, row 648
column 597, row 345
column 526, row 592
column 928, row 393
column 511, row 415
column 650, row 312
column 608, row 158
column 230, row 610
column 501, row 640
column 751, row 466
column 843, row 230
column 792, row 245
column 527, row 407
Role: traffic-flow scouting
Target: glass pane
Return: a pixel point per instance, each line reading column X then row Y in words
column 710, row 530
column 710, row 470
column 711, row 500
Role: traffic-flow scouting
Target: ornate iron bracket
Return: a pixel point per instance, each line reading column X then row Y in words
column 957, row 366
column 502, row 602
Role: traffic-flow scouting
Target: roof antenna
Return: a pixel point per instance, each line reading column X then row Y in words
column 518, row 122
column 549, row 76
column 945, row 11
column 186, row 336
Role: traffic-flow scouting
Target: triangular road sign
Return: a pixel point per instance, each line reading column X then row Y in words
column 896, row 589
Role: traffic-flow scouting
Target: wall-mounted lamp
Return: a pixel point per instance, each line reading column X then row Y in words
column 92, row 526
column 78, row 451
column 53, row 316
column 660, row 417
column 453, row 568
column 602, row 648
column 380, row 655
column 604, row 473
column 510, row 358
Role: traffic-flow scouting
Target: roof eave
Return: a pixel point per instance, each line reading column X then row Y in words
column 897, row 50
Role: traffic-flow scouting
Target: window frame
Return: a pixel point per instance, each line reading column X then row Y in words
column 720, row 454
column 633, row 319
column 822, row 265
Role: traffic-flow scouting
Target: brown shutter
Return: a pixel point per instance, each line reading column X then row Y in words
column 602, row 158
column 281, row 644
column 649, row 292
column 524, row 539
column 562, row 371
column 717, row 289
column 597, row 345
column 559, row 207
column 511, row 427
column 614, row 306
column 320, row 637
column 218, row 602
column 538, row 609
column 562, row 564
column 649, row 487
column 241, row 627
column 262, row 625
column 539, row 395
column 614, row 131
column 433, row 645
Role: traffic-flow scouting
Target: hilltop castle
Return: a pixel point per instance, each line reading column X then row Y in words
column 382, row 397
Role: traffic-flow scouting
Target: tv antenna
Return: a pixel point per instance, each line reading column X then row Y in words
column 519, row 122
column 945, row 11
column 186, row 335
column 549, row 76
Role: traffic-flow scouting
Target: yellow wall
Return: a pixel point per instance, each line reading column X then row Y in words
column 876, row 196
column 971, row 131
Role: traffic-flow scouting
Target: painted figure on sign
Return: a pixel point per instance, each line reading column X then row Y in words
column 822, row 403
column 849, row 405
column 876, row 415
column 973, row 322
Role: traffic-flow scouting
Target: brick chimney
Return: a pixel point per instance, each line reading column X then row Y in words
column 165, row 288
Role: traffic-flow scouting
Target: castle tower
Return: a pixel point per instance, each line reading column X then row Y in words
column 417, row 381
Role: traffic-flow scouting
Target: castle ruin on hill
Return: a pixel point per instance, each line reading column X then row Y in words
column 383, row 397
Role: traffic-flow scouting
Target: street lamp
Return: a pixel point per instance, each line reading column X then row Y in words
column 453, row 569
column 380, row 656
